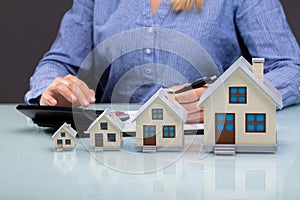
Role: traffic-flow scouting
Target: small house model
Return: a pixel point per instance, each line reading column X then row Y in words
column 240, row 110
column 106, row 132
column 64, row 138
column 160, row 124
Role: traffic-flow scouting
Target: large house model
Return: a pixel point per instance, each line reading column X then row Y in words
column 240, row 110
column 160, row 124
column 106, row 132
column 64, row 138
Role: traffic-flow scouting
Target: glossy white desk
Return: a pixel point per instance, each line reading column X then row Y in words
column 30, row 169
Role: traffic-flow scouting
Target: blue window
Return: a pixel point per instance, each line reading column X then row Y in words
column 250, row 127
column 168, row 131
column 103, row 126
column 111, row 137
column 98, row 137
column 225, row 122
column 62, row 134
column 229, row 118
column 233, row 99
column 260, row 127
column 238, row 95
column 229, row 127
column 149, row 131
column 250, row 118
column 220, row 127
column 242, row 99
column 157, row 114
column 256, row 123
column 68, row 142
column 59, row 142
column 242, row 90
column 233, row 90
column 260, row 118
column 220, row 118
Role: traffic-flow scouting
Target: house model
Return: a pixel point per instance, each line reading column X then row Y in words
column 106, row 132
column 240, row 110
column 160, row 123
column 64, row 138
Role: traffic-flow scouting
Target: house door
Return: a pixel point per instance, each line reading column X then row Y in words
column 98, row 140
column 225, row 128
column 149, row 135
column 59, row 144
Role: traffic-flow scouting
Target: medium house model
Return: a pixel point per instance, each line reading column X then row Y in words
column 240, row 110
column 160, row 123
column 106, row 132
column 64, row 138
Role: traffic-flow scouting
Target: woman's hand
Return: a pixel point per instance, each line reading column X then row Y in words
column 189, row 101
column 67, row 91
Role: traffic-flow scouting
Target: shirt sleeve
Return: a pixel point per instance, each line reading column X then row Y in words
column 71, row 46
column 266, row 33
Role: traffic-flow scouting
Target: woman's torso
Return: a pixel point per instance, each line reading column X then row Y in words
column 213, row 28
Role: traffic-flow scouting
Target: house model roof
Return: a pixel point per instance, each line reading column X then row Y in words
column 67, row 128
column 115, row 121
column 162, row 94
column 243, row 65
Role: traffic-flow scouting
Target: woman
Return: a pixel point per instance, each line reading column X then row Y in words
column 224, row 28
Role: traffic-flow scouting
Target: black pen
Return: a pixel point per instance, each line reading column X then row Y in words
column 195, row 84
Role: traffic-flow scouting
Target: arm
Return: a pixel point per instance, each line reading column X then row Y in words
column 265, row 32
column 73, row 43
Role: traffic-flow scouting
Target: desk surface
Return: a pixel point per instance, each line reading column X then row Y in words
column 30, row 169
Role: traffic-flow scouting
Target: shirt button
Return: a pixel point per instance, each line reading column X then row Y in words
column 148, row 51
column 148, row 71
column 150, row 29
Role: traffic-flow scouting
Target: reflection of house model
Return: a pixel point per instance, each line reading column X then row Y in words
column 65, row 161
column 106, row 132
column 240, row 178
column 163, row 183
column 240, row 110
column 64, row 138
column 159, row 124
column 106, row 174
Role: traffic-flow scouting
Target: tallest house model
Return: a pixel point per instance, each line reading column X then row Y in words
column 240, row 110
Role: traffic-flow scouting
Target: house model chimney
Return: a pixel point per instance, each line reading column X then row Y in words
column 258, row 68
column 171, row 96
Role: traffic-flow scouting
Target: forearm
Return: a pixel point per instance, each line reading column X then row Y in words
column 264, row 30
column 286, row 78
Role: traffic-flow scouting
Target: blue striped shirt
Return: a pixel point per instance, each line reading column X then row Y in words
column 220, row 28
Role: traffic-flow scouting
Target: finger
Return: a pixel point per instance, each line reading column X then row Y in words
column 190, row 96
column 75, row 82
column 92, row 96
column 190, row 107
column 82, row 98
column 77, row 88
column 195, row 117
column 47, row 99
column 60, row 87
column 174, row 88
